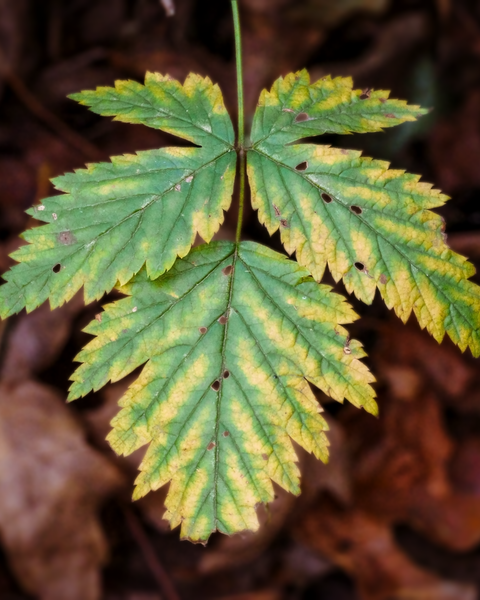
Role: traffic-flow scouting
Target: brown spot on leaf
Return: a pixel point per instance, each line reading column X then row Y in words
column 216, row 385
column 222, row 320
column 226, row 374
column 383, row 278
column 326, row 198
column 383, row 100
column 57, row 268
column 227, row 270
column 301, row 117
column 284, row 223
column 98, row 317
column 356, row 209
column 211, row 446
column 277, row 210
column 265, row 456
column 66, row 238
column 365, row 94
column 347, row 350
column 203, row 330
column 390, row 116
column 344, row 151
column 226, row 433
column 303, row 166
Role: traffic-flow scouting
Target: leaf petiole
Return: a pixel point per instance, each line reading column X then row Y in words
column 241, row 120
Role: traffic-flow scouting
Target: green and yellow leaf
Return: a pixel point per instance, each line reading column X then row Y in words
column 371, row 225
column 143, row 208
column 295, row 109
column 231, row 336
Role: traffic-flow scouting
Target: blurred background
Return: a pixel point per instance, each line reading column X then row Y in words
column 396, row 513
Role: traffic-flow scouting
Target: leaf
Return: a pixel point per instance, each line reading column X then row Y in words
column 139, row 208
column 371, row 225
column 231, row 337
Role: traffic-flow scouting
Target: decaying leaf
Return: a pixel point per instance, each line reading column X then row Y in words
column 232, row 335
column 51, row 487
column 369, row 224
column 365, row 548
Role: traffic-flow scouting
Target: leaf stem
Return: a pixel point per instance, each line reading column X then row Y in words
column 241, row 119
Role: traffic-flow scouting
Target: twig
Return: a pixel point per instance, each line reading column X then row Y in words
column 161, row 576
column 26, row 97
column 169, row 7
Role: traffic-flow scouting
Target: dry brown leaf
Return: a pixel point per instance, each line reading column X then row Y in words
column 402, row 471
column 51, row 486
column 364, row 547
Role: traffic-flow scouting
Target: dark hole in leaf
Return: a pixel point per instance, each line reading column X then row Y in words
column 383, row 278
column 360, row 266
column 66, row 238
column 226, row 433
column 222, row 320
column 265, row 456
column 57, row 268
column 301, row 117
column 303, row 166
column 216, row 385
column 284, row 222
column 356, row 209
column 203, row 330
column 326, row 198
column 211, row 446
column 226, row 374
column 365, row 94
column 227, row 270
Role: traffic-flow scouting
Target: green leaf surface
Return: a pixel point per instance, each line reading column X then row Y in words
column 231, row 336
column 371, row 225
column 143, row 208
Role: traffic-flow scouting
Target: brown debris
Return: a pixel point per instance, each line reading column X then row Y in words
column 50, row 482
